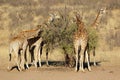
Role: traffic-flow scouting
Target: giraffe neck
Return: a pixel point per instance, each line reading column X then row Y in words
column 97, row 20
column 81, row 30
column 80, row 24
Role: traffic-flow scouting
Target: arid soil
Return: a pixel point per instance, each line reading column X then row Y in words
column 100, row 72
column 108, row 68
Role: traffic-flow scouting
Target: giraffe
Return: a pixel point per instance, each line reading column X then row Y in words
column 98, row 18
column 37, row 51
column 33, row 39
column 17, row 49
column 80, row 43
column 93, row 27
column 18, row 46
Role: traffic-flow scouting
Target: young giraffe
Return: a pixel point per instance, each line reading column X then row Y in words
column 37, row 51
column 17, row 49
column 94, row 27
column 80, row 44
column 18, row 46
column 32, row 39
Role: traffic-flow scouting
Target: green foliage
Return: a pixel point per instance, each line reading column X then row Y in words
column 49, row 36
column 67, row 39
column 93, row 38
column 60, row 34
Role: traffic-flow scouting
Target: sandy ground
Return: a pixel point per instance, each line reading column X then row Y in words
column 101, row 72
column 107, row 69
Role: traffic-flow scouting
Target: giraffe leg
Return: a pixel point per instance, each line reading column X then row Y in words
column 27, row 65
column 94, row 57
column 35, row 56
column 26, row 60
column 47, row 58
column 76, row 67
column 17, row 60
column 94, row 62
column 81, row 60
column 86, row 53
column 23, row 55
column 22, row 60
column 10, row 57
column 39, row 57
column 81, row 63
column 77, row 57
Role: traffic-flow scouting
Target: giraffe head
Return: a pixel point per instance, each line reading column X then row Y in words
column 50, row 18
column 53, row 16
column 76, row 17
column 57, row 15
column 102, row 11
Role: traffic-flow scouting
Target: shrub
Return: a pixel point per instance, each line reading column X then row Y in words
column 60, row 34
column 93, row 38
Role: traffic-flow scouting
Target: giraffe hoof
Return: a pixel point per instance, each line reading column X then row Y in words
column 95, row 64
column 39, row 65
column 8, row 69
column 19, row 70
column 76, row 70
column 27, row 68
column 89, row 69
column 47, row 65
column 82, row 70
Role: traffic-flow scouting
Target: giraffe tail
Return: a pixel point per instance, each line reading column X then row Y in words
column 10, row 53
column 10, row 56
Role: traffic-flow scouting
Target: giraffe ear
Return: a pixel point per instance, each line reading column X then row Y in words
column 78, row 17
column 51, row 14
column 103, row 10
column 39, row 26
column 57, row 15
